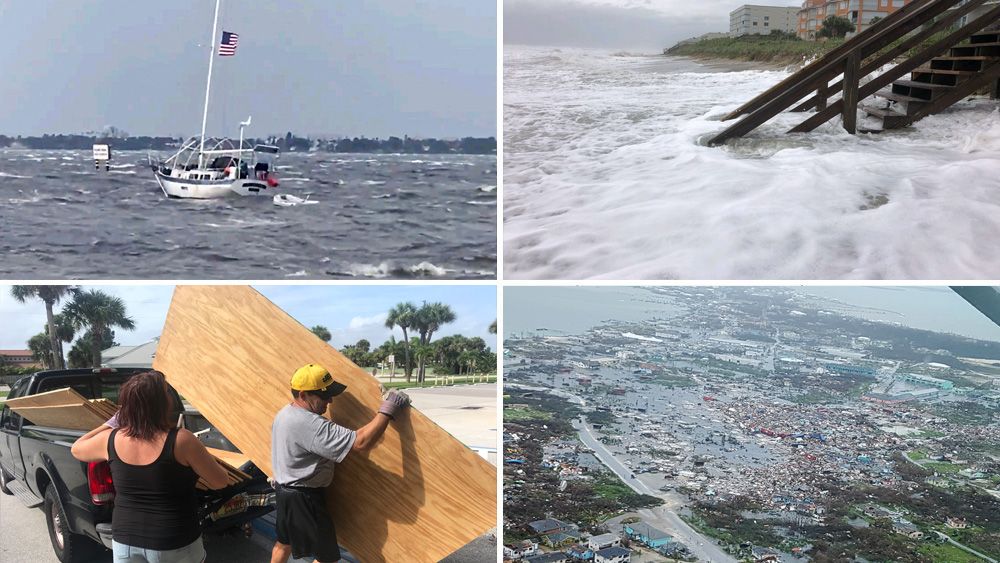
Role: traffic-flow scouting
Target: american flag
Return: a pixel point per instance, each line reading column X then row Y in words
column 229, row 42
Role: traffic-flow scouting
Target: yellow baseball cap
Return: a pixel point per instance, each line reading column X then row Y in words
column 316, row 378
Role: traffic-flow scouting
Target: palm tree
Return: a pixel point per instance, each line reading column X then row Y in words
column 98, row 312
column 50, row 295
column 466, row 361
column 402, row 315
column 41, row 349
column 429, row 319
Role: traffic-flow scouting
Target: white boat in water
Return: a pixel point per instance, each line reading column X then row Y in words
column 219, row 171
column 288, row 200
column 214, row 168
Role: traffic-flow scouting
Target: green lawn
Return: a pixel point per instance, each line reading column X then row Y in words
column 917, row 455
column 947, row 552
column 943, row 468
column 456, row 380
column 524, row 413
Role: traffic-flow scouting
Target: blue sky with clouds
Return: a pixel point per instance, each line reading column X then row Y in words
column 424, row 68
column 350, row 312
column 643, row 25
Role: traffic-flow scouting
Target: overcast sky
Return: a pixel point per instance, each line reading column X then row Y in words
column 367, row 67
column 349, row 312
column 641, row 25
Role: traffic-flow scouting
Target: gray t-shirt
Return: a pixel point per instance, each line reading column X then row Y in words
column 305, row 447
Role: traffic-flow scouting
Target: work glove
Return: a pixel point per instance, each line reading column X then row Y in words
column 393, row 403
column 113, row 422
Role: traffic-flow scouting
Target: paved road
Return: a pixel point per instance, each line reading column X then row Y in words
column 965, row 547
column 24, row 538
column 661, row 517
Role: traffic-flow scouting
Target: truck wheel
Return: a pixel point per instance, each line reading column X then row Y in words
column 4, row 479
column 69, row 547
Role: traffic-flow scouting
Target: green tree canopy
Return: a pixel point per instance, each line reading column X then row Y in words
column 835, row 26
column 429, row 318
column 322, row 332
column 98, row 312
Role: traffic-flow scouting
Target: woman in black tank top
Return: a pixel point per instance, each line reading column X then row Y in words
column 154, row 468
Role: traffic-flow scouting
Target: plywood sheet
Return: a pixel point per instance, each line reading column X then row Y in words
column 233, row 459
column 416, row 496
column 72, row 417
column 64, row 396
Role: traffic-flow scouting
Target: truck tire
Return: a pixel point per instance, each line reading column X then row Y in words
column 69, row 547
column 4, row 479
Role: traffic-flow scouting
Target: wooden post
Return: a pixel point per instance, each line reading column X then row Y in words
column 850, row 110
column 995, row 91
column 822, row 93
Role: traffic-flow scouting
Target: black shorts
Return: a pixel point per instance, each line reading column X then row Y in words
column 304, row 523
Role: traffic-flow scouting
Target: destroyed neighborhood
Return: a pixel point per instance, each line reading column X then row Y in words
column 751, row 424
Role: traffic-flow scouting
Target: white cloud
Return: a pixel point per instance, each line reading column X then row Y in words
column 358, row 323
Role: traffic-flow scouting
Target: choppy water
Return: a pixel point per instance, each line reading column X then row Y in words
column 379, row 216
column 607, row 175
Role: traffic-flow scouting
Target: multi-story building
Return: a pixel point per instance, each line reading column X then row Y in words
column 20, row 358
column 751, row 19
column 858, row 12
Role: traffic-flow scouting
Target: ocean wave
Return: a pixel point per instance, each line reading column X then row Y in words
column 385, row 269
column 18, row 176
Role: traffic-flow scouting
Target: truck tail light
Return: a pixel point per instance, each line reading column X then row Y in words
column 102, row 490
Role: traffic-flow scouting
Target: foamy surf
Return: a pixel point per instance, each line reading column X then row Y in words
column 620, row 171
column 386, row 269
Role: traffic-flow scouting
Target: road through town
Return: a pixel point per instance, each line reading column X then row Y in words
column 661, row 517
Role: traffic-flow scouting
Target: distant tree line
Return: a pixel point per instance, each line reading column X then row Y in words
column 453, row 355
column 290, row 142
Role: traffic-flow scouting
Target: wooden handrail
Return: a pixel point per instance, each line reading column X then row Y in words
column 899, row 70
column 888, row 56
column 836, row 54
column 817, row 75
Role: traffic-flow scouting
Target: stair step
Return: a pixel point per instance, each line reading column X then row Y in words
column 890, row 95
column 24, row 494
column 928, row 70
column 986, row 37
column 970, row 58
column 919, row 84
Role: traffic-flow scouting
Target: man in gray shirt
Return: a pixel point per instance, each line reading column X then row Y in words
column 305, row 448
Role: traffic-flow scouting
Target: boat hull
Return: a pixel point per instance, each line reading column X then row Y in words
column 209, row 189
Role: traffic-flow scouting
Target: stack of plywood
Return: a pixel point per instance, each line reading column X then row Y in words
column 64, row 408
column 417, row 495
column 231, row 461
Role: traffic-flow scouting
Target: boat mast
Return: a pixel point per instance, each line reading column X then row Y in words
column 208, row 86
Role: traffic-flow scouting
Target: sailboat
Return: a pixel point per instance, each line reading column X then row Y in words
column 206, row 168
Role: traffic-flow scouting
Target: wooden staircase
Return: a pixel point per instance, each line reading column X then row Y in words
column 943, row 70
column 938, row 84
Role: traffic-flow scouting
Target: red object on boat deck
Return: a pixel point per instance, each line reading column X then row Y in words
column 272, row 182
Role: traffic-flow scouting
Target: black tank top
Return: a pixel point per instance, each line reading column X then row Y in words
column 156, row 506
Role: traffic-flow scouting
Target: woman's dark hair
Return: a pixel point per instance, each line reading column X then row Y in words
column 145, row 405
